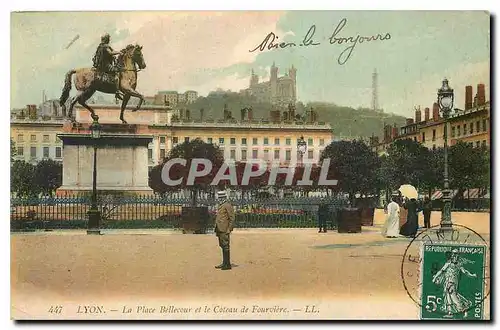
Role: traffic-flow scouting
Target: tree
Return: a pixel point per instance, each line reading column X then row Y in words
column 469, row 167
column 354, row 165
column 483, row 162
column 384, row 176
column 155, row 182
column 407, row 163
column 433, row 171
column 22, row 179
column 254, row 182
column 13, row 152
column 188, row 151
column 48, row 176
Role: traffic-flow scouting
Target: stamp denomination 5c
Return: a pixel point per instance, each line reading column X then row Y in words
column 452, row 277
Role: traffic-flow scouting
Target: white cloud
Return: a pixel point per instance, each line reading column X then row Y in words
column 178, row 45
column 233, row 82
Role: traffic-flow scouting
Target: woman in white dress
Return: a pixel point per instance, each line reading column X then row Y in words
column 391, row 226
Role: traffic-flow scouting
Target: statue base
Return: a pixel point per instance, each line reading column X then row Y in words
column 122, row 161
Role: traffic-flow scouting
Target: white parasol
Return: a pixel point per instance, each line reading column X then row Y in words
column 407, row 190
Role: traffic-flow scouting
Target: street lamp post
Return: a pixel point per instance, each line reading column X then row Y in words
column 445, row 101
column 94, row 214
column 301, row 150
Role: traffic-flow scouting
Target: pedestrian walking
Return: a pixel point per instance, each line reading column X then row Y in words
column 391, row 226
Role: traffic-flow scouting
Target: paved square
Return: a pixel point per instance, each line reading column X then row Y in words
column 346, row 276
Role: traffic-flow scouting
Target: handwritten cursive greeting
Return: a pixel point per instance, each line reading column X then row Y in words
column 271, row 41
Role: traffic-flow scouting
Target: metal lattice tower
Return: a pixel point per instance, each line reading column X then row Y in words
column 375, row 105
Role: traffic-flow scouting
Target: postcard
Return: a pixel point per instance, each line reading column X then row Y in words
column 250, row 165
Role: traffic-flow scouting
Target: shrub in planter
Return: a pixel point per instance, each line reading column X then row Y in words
column 195, row 219
column 367, row 214
column 349, row 220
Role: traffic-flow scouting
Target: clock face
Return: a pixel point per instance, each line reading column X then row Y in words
column 302, row 148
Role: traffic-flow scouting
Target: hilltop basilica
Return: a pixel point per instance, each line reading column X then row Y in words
column 279, row 91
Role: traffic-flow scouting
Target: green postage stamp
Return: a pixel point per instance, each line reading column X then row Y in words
column 453, row 277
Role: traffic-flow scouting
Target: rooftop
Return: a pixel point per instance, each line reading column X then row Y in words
column 129, row 107
column 253, row 125
column 168, row 92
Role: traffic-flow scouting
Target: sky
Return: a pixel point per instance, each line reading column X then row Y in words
column 204, row 51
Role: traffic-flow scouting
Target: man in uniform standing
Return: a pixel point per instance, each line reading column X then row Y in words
column 427, row 210
column 224, row 222
column 323, row 213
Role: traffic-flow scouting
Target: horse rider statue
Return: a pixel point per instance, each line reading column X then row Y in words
column 104, row 62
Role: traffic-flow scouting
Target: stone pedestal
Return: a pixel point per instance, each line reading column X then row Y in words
column 122, row 160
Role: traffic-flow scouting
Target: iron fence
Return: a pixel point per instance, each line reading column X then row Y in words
column 69, row 212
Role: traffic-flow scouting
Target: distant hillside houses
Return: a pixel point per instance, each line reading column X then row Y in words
column 172, row 98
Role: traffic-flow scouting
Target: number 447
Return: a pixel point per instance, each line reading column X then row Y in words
column 432, row 303
column 57, row 309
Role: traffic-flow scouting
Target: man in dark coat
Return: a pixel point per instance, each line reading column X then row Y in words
column 322, row 217
column 427, row 210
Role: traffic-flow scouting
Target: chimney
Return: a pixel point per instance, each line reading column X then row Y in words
column 285, row 115
column 202, row 112
column 426, row 114
column 314, row 116
column 409, row 121
column 481, row 96
column 386, row 133
column 275, row 116
column 435, row 111
column 291, row 110
column 394, row 132
column 418, row 115
column 54, row 108
column 250, row 114
column 32, row 111
column 243, row 113
column 468, row 97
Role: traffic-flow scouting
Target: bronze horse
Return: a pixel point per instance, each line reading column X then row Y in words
column 87, row 82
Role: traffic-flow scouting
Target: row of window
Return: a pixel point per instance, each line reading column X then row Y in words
column 255, row 154
column 433, row 136
column 478, row 143
column 457, row 130
column 175, row 140
column 33, row 138
column 45, row 152
column 244, row 141
column 483, row 143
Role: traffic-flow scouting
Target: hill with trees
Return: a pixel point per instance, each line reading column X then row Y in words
column 345, row 121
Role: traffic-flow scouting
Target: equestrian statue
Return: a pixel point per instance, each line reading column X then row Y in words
column 110, row 76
